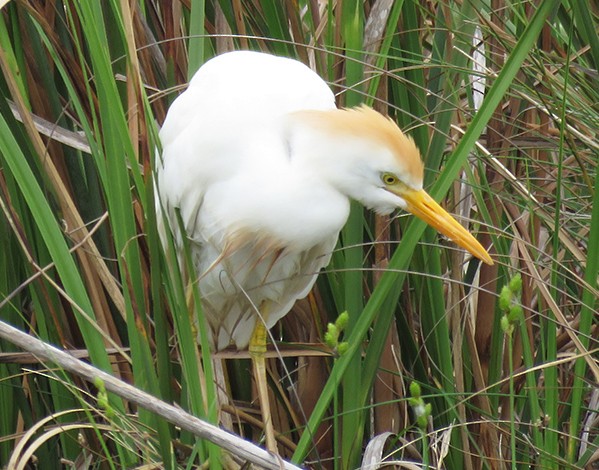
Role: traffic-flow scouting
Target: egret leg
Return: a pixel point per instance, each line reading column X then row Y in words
column 257, row 350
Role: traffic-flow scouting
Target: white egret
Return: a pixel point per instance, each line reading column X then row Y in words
column 262, row 166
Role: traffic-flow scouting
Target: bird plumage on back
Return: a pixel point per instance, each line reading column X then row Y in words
column 262, row 166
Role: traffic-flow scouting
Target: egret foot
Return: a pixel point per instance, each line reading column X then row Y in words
column 257, row 350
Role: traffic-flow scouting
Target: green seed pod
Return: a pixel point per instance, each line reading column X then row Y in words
column 422, row 421
column 515, row 313
column 415, row 390
column 342, row 321
column 102, row 401
column 329, row 340
column 99, row 384
column 516, row 283
column 505, row 298
column 342, row 348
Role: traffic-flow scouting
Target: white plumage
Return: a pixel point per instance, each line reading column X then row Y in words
column 227, row 167
column 262, row 167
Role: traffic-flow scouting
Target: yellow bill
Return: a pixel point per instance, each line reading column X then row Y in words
column 424, row 207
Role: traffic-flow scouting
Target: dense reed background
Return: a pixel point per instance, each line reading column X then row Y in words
column 502, row 99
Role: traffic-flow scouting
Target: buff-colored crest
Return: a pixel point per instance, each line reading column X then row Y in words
column 367, row 123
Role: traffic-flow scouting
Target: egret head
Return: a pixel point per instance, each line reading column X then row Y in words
column 368, row 157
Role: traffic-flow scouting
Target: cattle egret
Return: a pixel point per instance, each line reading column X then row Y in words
column 262, row 166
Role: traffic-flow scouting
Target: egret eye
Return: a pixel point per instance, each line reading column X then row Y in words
column 389, row 179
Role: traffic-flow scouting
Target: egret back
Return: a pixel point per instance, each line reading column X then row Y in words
column 241, row 85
